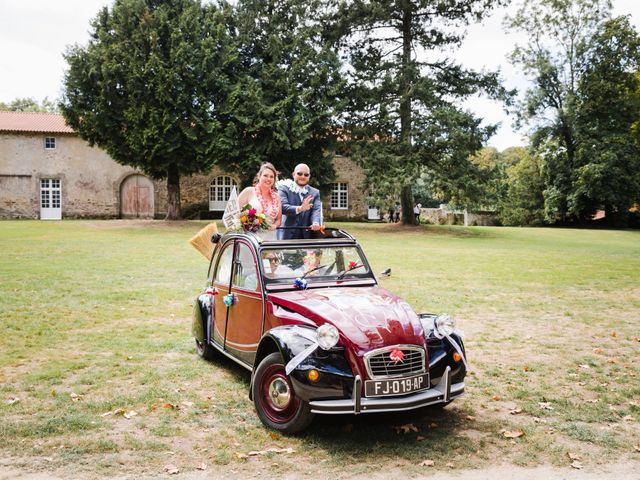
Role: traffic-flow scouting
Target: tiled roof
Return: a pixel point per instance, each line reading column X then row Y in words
column 33, row 122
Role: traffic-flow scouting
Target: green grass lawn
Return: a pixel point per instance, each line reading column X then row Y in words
column 99, row 376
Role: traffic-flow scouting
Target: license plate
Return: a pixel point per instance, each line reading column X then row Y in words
column 396, row 386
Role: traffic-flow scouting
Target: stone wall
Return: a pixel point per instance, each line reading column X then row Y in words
column 349, row 172
column 90, row 179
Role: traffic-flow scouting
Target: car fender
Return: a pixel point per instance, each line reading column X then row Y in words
column 201, row 317
column 290, row 340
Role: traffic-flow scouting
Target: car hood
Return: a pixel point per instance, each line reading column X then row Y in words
column 367, row 317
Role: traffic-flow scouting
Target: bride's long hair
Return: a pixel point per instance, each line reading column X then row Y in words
column 263, row 167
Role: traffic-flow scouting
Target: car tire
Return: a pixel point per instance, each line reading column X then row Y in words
column 275, row 400
column 205, row 350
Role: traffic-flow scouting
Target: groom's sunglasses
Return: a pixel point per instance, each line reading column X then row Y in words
column 300, row 174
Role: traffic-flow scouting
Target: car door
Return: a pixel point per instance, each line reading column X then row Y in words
column 222, row 282
column 245, row 317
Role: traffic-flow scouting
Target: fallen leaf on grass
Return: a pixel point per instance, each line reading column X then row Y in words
column 171, row 406
column 420, row 438
column 573, row 456
column 427, row 463
column 130, row 414
column 406, row 428
column 12, row 400
column 242, row 456
column 202, row 466
column 628, row 418
column 450, row 465
column 471, row 418
column 584, row 366
column 545, row 405
column 75, row 397
column 598, row 350
column 171, row 469
column 187, row 404
column 637, row 448
column 495, row 398
column 515, row 410
column 577, row 465
column 612, row 360
column 512, row 433
column 614, row 334
column 271, row 450
column 275, row 436
column 433, row 425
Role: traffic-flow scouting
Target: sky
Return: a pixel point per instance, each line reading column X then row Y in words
column 35, row 33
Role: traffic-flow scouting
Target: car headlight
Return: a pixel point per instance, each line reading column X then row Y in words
column 444, row 325
column 328, row 336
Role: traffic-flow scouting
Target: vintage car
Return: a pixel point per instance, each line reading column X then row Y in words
column 320, row 336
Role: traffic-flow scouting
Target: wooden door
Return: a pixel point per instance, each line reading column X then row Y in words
column 136, row 197
column 245, row 317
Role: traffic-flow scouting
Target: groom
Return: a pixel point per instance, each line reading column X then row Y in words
column 301, row 205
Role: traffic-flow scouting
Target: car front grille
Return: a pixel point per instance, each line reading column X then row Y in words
column 380, row 365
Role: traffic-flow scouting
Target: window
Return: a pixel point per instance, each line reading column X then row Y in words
column 49, row 143
column 246, row 275
column 220, row 189
column 223, row 275
column 339, row 196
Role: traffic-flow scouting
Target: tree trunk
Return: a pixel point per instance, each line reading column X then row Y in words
column 173, row 194
column 406, row 201
column 406, row 195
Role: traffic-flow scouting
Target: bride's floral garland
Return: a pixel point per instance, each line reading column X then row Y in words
column 293, row 186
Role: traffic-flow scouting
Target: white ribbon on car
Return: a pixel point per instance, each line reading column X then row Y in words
column 454, row 344
column 300, row 357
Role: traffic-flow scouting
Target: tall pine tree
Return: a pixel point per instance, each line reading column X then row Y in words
column 404, row 115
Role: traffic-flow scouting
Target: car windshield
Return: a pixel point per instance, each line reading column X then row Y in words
column 332, row 262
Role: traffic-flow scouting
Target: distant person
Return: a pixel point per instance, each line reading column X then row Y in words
column 416, row 211
column 390, row 214
column 301, row 205
column 398, row 211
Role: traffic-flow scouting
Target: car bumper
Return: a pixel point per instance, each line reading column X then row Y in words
column 444, row 392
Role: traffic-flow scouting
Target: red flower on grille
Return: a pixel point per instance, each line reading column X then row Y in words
column 396, row 355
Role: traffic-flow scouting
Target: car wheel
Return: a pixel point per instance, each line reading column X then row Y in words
column 275, row 400
column 205, row 350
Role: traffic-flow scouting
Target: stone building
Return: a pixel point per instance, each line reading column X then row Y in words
column 48, row 172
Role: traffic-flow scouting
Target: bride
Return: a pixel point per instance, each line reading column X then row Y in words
column 264, row 197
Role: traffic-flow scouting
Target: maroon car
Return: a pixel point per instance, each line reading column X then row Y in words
column 308, row 319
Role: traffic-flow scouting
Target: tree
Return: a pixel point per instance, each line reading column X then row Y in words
column 287, row 90
column 607, row 170
column 558, row 31
column 403, row 117
column 30, row 105
column 148, row 86
column 522, row 200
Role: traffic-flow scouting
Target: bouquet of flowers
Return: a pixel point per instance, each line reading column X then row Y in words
column 251, row 220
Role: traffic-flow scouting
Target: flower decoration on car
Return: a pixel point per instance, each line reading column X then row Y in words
column 251, row 220
column 229, row 300
column 300, row 283
column 352, row 265
column 211, row 291
column 396, row 355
